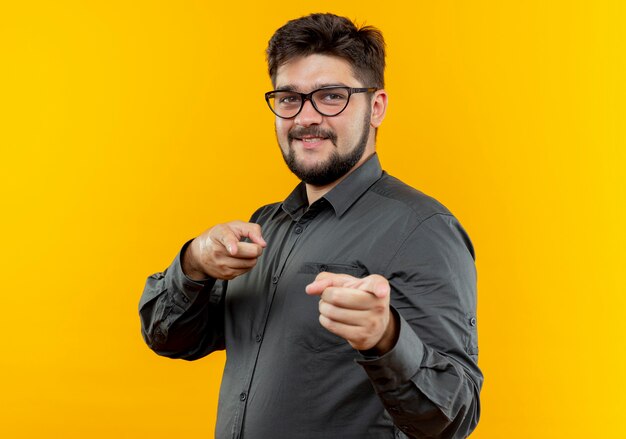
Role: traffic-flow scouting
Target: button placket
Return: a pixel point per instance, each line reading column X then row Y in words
column 291, row 242
column 291, row 235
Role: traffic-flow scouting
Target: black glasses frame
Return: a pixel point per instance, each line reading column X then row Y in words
column 309, row 97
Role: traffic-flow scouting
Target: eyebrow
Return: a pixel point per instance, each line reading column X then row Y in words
column 316, row 86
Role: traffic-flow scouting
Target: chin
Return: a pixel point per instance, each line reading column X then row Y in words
column 310, row 166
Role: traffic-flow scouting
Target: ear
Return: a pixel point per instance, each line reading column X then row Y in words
column 379, row 107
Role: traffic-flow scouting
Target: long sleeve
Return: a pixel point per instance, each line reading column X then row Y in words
column 182, row 318
column 430, row 382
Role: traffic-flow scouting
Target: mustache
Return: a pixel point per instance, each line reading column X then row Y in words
column 313, row 131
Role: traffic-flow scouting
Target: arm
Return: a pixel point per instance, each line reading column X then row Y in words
column 180, row 317
column 182, row 309
column 429, row 381
column 415, row 328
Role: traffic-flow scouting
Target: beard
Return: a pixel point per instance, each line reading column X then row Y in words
column 335, row 166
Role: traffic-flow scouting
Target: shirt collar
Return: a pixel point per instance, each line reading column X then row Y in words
column 342, row 196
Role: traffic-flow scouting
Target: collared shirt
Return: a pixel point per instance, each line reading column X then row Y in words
column 288, row 377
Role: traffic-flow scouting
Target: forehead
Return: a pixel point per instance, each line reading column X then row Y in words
column 307, row 73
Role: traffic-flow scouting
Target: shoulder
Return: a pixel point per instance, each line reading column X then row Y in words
column 400, row 196
column 263, row 213
column 427, row 220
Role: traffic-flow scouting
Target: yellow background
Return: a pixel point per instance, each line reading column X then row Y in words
column 128, row 127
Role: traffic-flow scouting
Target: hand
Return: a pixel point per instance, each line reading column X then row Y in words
column 357, row 310
column 220, row 254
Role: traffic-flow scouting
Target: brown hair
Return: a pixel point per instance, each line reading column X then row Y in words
column 328, row 34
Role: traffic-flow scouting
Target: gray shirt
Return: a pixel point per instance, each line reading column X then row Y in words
column 288, row 377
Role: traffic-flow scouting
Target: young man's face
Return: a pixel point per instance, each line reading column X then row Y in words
column 320, row 149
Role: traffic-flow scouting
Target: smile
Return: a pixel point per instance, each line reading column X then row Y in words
column 312, row 139
column 311, row 136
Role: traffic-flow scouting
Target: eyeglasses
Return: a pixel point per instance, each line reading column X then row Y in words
column 328, row 101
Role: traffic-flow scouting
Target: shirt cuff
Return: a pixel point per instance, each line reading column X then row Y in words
column 400, row 364
column 177, row 281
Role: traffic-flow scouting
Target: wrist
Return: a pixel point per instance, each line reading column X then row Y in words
column 389, row 338
column 189, row 264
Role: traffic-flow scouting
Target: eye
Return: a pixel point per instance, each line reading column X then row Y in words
column 331, row 96
column 287, row 98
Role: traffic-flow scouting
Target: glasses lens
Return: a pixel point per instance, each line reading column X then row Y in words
column 285, row 103
column 331, row 101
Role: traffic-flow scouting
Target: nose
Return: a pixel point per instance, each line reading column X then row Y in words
column 308, row 115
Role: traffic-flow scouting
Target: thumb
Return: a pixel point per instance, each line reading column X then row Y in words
column 257, row 238
column 251, row 231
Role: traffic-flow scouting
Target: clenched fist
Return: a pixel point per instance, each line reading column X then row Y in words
column 220, row 254
column 357, row 310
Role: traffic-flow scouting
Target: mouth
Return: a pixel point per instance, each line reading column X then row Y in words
column 311, row 140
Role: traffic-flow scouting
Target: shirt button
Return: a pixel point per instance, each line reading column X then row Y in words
column 323, row 267
column 258, row 338
column 473, row 321
column 185, row 299
column 298, row 230
column 242, row 396
column 275, row 280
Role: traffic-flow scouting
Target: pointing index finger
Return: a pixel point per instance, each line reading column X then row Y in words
column 376, row 284
column 326, row 279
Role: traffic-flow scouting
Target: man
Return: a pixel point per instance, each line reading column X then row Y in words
column 348, row 310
